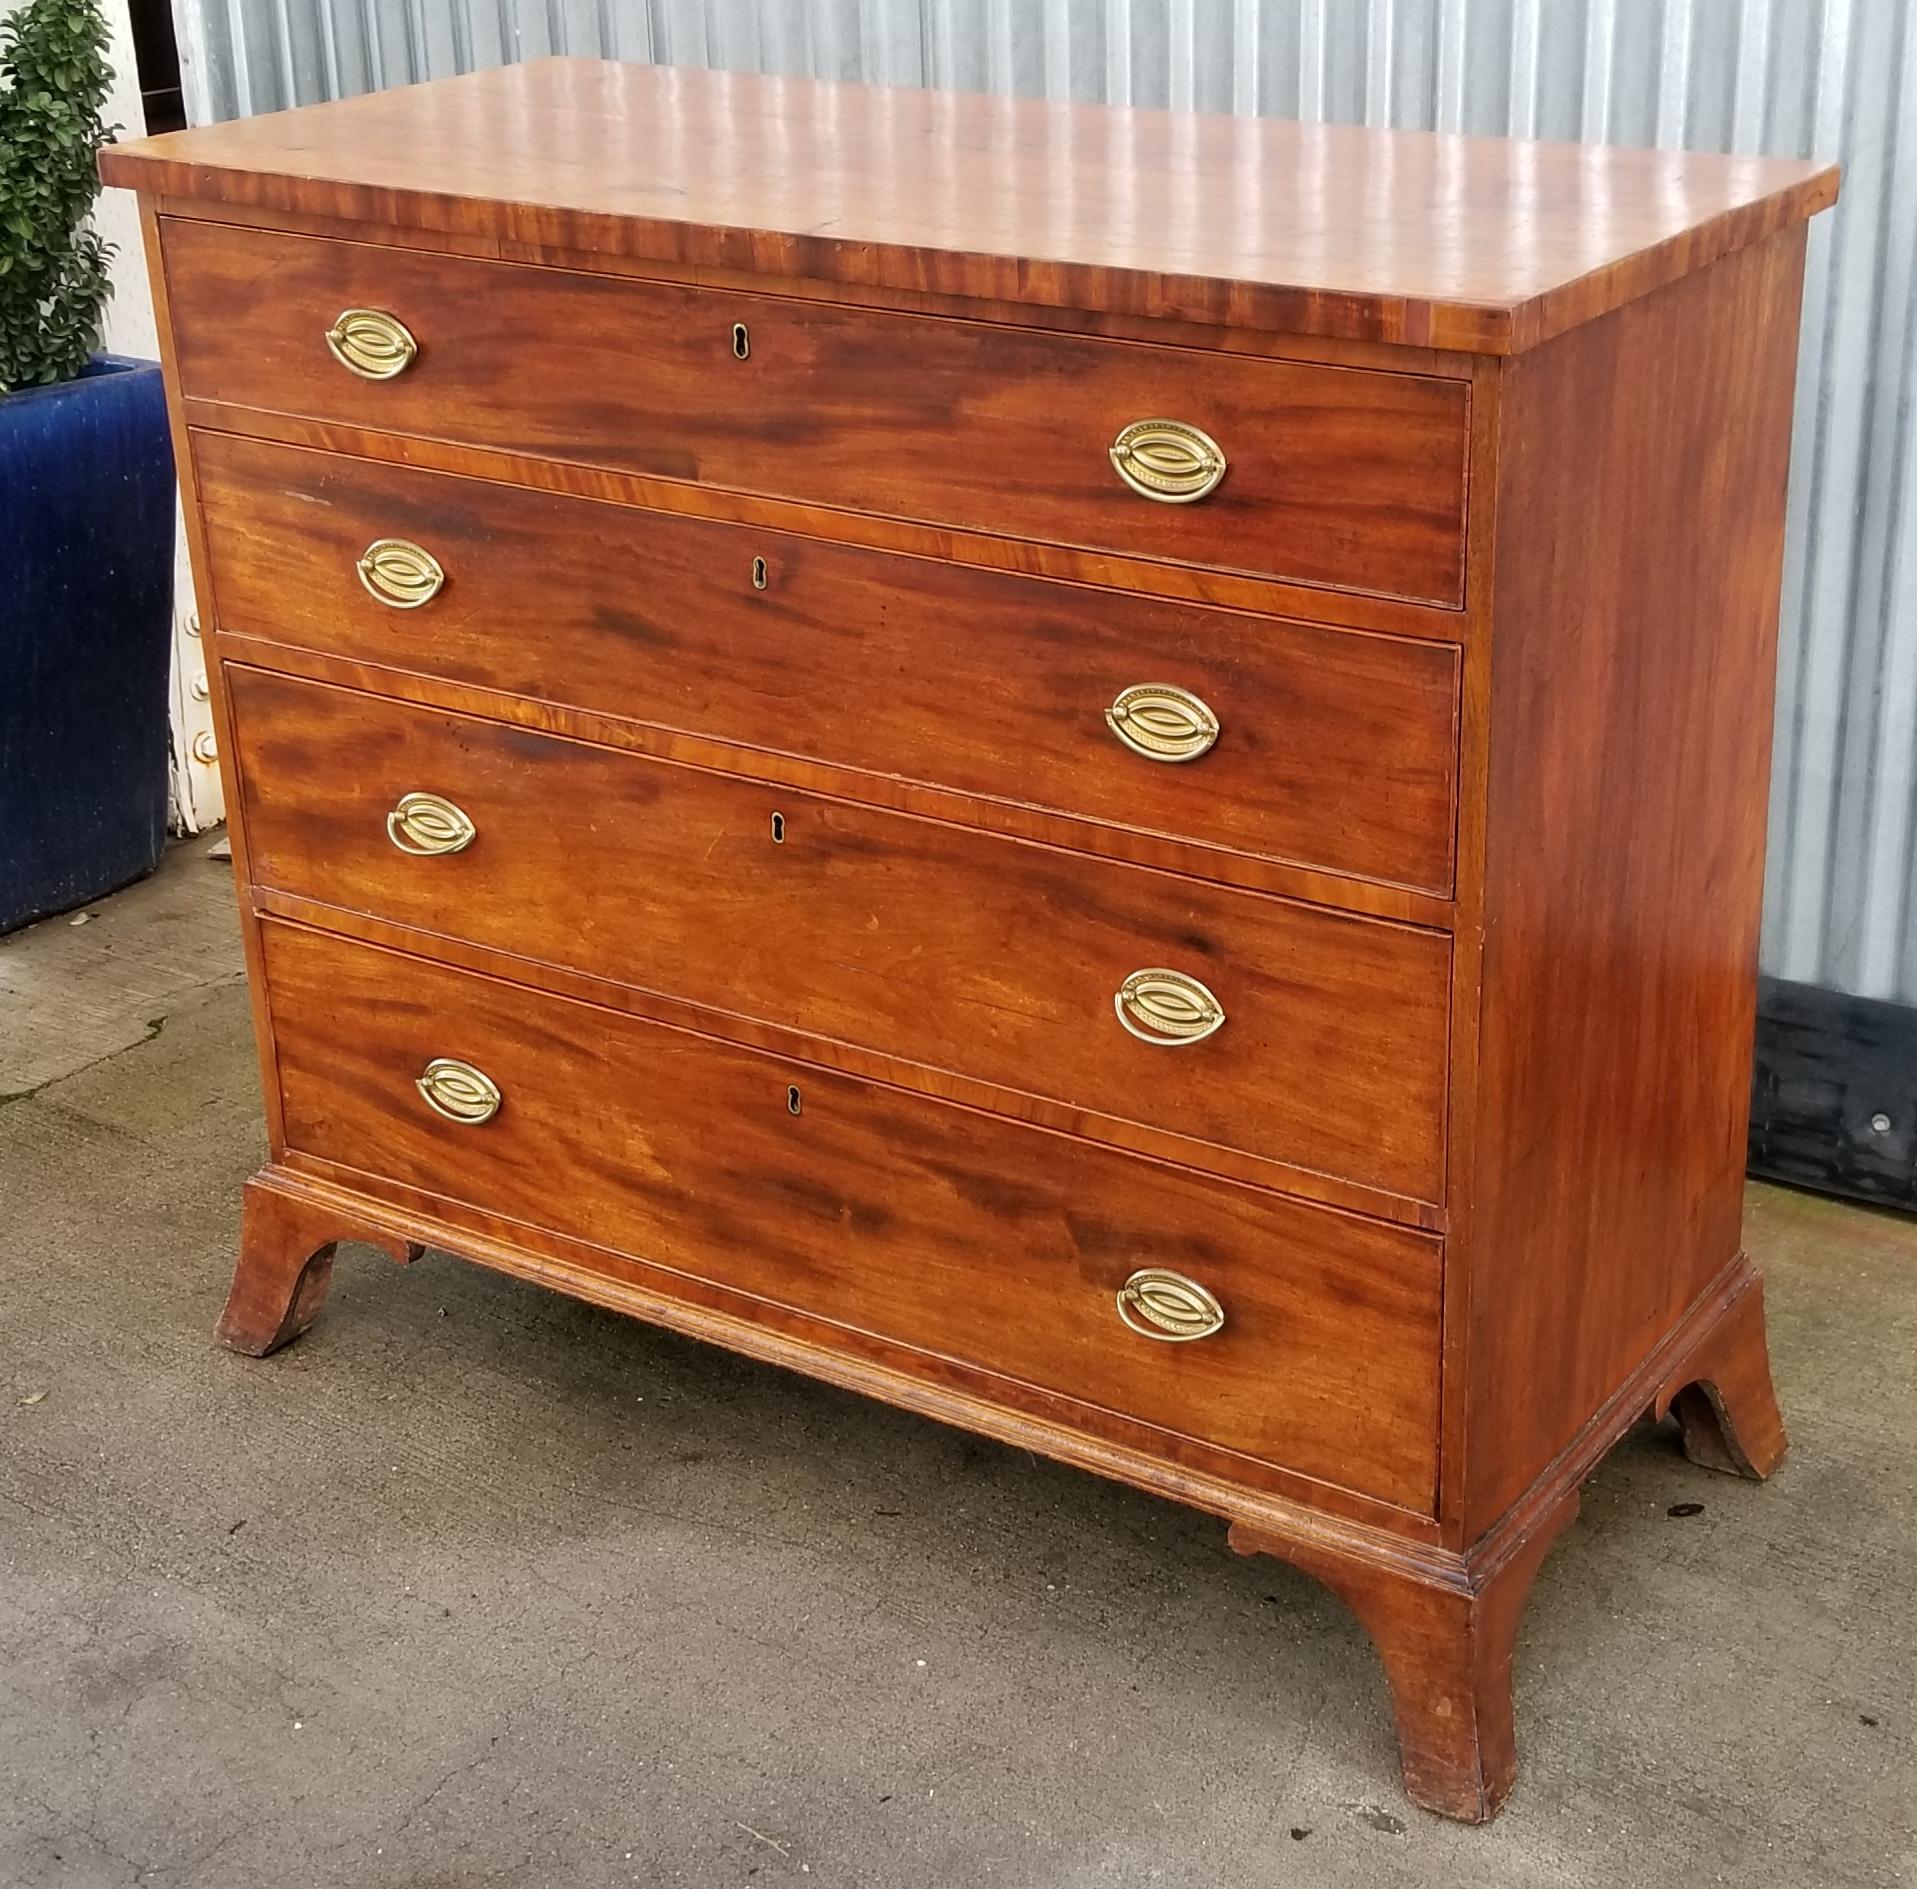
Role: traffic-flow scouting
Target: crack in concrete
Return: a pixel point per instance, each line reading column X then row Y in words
column 409, row 1817
column 154, row 1028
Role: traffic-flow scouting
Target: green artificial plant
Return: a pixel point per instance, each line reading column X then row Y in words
column 53, row 263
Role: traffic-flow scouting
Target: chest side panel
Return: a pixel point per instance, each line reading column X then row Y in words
column 1641, row 472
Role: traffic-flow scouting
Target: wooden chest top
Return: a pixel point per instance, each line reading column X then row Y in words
column 1483, row 245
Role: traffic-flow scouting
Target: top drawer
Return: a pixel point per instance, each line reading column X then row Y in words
column 1333, row 476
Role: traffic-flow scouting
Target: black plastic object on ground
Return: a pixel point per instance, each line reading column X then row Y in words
column 1834, row 1094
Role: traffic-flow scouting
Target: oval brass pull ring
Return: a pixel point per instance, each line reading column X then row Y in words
column 1162, row 722
column 400, row 574
column 1170, row 1009
column 429, row 824
column 1168, row 460
column 458, row 1091
column 371, row 343
column 1167, row 1306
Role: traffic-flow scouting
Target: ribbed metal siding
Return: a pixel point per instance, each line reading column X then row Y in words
column 1803, row 77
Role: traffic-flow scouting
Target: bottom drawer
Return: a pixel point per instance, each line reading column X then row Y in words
column 934, row 1227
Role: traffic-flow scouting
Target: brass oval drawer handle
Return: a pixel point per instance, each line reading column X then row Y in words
column 1168, row 1008
column 400, row 574
column 1162, row 722
column 1169, row 1307
column 458, row 1091
column 371, row 343
column 429, row 824
column 1168, row 460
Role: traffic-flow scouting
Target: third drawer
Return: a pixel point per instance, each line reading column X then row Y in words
column 1094, row 986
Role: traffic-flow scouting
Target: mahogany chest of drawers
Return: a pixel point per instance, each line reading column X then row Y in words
column 1100, row 773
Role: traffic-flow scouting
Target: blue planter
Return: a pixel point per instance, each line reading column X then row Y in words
column 86, row 605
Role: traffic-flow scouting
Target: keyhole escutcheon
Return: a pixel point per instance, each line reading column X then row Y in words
column 741, row 340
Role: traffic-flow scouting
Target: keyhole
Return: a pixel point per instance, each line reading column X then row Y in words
column 793, row 1102
column 741, row 341
column 758, row 573
column 778, row 829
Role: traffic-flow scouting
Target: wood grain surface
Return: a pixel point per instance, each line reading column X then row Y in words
column 939, row 945
column 1336, row 751
column 1337, row 476
column 935, row 1227
column 1641, row 477
column 1484, row 244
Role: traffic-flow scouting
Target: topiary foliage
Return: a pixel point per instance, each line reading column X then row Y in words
column 53, row 264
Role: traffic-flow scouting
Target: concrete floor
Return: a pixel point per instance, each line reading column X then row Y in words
column 478, row 1586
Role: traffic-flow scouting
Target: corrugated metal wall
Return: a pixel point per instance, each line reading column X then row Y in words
column 1824, row 77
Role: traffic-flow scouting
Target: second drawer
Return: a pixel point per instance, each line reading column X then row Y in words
column 1328, row 748
column 1090, row 984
